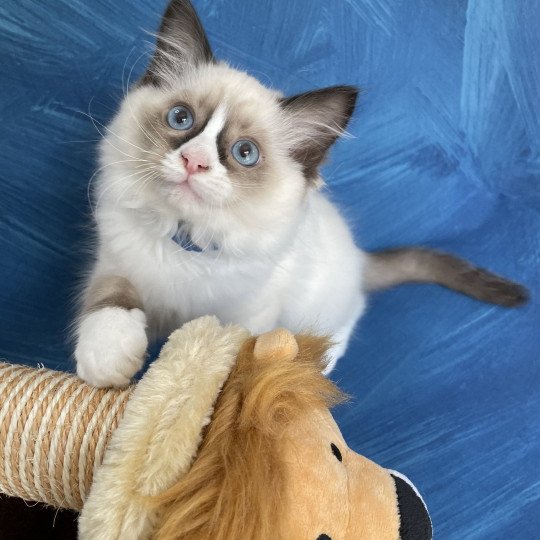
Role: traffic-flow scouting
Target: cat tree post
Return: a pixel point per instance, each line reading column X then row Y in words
column 54, row 429
column 107, row 452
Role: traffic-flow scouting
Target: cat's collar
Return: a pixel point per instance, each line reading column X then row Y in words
column 182, row 237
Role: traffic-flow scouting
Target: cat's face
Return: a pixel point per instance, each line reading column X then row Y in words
column 201, row 137
column 213, row 138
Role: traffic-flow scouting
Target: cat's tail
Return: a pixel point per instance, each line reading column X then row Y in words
column 416, row 265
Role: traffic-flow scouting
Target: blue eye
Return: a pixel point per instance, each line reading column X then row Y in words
column 245, row 152
column 180, row 118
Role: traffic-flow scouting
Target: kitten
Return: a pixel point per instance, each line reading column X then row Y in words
column 207, row 203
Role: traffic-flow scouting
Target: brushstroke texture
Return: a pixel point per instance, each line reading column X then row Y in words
column 446, row 154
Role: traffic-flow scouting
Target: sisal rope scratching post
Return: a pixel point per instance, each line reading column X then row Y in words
column 104, row 452
column 54, row 429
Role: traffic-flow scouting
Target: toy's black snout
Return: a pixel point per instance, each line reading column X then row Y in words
column 415, row 523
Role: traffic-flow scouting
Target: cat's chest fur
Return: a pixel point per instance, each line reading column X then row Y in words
column 293, row 281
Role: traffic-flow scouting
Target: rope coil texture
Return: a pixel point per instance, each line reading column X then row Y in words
column 54, row 429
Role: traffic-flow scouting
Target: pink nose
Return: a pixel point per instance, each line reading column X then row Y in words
column 194, row 163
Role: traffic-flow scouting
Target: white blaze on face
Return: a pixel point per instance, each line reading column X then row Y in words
column 205, row 144
column 211, row 183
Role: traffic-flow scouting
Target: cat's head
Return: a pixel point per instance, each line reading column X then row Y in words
column 200, row 137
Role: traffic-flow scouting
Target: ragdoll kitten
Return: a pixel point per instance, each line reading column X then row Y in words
column 207, row 203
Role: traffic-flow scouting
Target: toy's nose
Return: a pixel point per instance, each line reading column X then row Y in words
column 415, row 523
column 194, row 162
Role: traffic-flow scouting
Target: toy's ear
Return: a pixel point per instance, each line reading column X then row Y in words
column 279, row 344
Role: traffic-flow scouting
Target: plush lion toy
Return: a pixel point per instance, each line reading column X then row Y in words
column 226, row 437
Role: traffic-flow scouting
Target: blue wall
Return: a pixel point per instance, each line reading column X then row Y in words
column 446, row 154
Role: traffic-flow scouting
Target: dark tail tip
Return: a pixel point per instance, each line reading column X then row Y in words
column 498, row 290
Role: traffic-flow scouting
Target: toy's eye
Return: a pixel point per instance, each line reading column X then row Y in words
column 336, row 452
column 324, row 537
column 180, row 118
column 245, row 152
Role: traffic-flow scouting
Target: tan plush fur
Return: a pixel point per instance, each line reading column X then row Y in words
column 352, row 499
column 229, row 437
column 158, row 436
column 236, row 486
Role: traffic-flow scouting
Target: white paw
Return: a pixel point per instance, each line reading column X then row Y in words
column 111, row 346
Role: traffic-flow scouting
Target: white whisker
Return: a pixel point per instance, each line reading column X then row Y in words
column 94, row 121
column 96, row 172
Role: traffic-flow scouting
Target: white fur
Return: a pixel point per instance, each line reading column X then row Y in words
column 111, row 346
column 304, row 277
column 285, row 259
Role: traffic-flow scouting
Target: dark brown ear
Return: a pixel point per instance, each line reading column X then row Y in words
column 181, row 43
column 318, row 118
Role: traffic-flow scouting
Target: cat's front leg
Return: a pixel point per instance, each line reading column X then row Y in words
column 111, row 333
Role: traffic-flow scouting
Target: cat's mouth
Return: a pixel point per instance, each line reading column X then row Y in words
column 180, row 182
column 201, row 189
column 181, row 189
column 187, row 189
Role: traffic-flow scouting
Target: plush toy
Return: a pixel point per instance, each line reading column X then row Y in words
column 225, row 437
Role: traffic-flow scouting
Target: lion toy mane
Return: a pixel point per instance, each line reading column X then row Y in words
column 227, row 436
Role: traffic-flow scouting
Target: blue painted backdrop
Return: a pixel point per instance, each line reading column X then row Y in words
column 446, row 153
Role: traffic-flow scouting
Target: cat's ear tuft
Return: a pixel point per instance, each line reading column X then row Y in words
column 181, row 44
column 316, row 120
